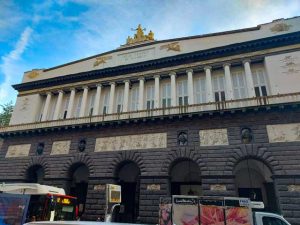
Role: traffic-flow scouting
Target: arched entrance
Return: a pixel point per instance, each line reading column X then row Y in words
column 253, row 179
column 79, row 175
column 35, row 174
column 185, row 178
column 128, row 177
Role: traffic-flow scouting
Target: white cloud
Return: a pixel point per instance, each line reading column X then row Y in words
column 10, row 67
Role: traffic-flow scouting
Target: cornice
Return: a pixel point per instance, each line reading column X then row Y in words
column 229, row 50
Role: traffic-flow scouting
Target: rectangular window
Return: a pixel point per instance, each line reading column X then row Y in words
column 65, row 109
column 166, row 95
column 134, row 98
column 119, row 100
column 91, row 103
column 78, row 105
column 105, row 103
column 150, row 97
column 239, row 84
column 259, row 82
column 182, row 92
column 200, row 90
column 218, row 82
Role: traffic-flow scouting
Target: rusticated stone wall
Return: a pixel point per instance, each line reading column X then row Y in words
column 216, row 160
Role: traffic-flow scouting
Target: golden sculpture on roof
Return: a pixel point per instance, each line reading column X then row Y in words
column 139, row 36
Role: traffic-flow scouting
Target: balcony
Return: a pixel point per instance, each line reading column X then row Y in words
column 232, row 105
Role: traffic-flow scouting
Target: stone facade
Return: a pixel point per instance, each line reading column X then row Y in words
column 216, row 162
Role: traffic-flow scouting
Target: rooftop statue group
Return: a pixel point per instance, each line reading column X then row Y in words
column 140, row 36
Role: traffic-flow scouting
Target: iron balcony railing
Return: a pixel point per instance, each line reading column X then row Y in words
column 187, row 109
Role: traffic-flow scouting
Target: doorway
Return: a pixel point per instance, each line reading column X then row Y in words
column 128, row 177
column 79, row 174
column 253, row 179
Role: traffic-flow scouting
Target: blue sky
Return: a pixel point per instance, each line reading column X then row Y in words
column 43, row 34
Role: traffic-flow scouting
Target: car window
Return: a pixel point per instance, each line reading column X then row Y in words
column 272, row 221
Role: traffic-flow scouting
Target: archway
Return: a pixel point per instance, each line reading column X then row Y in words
column 185, row 178
column 35, row 174
column 79, row 178
column 128, row 176
column 253, row 179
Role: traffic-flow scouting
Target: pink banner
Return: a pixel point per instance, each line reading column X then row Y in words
column 211, row 215
column 238, row 216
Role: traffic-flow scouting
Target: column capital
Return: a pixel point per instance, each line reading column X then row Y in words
column 48, row 93
column 172, row 74
column 141, row 78
column 226, row 64
column 85, row 87
column 126, row 81
column 189, row 71
column 72, row 89
column 156, row 76
column 112, row 83
column 60, row 91
column 99, row 85
column 246, row 61
column 207, row 67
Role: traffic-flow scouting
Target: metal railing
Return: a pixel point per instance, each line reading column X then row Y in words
column 186, row 109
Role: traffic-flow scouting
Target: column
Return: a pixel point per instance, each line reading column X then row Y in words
column 71, row 103
column 83, row 101
column 46, row 107
column 249, row 78
column 111, row 97
column 97, row 100
column 126, row 95
column 141, row 93
column 58, row 105
column 190, row 86
column 209, row 91
column 173, row 88
column 228, row 82
column 156, row 91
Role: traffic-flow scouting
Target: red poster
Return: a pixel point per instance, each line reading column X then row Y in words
column 165, row 213
column 238, row 216
column 211, row 215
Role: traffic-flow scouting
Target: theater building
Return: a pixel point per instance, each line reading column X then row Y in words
column 213, row 115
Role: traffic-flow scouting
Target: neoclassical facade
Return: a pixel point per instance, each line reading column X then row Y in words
column 213, row 115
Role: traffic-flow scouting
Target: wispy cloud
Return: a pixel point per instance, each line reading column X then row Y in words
column 10, row 67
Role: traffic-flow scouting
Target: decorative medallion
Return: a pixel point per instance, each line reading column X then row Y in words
column 81, row 145
column 182, row 138
column 40, row 148
column 140, row 36
column 102, row 60
column 33, row 74
column 246, row 135
column 171, row 47
column 280, row 27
